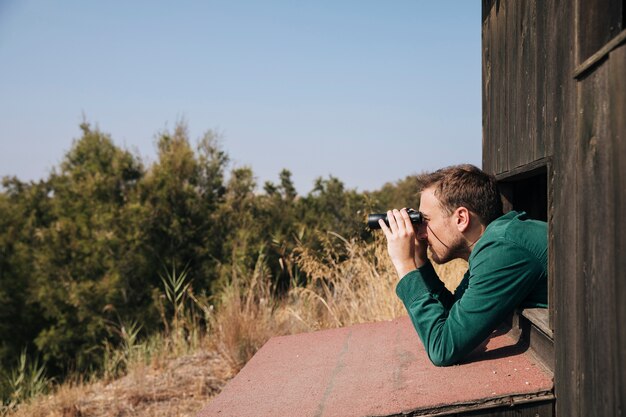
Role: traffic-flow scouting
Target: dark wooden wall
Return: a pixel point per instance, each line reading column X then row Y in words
column 554, row 94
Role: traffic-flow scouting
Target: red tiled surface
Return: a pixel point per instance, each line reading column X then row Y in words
column 372, row 369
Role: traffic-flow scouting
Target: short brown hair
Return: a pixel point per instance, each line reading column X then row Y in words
column 465, row 186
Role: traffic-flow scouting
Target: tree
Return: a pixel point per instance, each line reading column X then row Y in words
column 330, row 207
column 180, row 197
column 23, row 211
column 403, row 193
column 80, row 256
column 87, row 246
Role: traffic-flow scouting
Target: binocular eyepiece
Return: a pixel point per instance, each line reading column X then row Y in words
column 372, row 219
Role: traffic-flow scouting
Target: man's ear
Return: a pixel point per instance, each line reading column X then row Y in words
column 462, row 219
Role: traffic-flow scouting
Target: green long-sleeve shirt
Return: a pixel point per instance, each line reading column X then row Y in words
column 507, row 269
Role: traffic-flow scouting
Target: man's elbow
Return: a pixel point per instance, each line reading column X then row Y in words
column 442, row 362
column 442, row 359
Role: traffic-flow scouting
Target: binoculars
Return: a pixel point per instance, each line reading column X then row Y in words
column 372, row 219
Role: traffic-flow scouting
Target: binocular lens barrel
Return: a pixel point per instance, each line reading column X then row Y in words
column 372, row 219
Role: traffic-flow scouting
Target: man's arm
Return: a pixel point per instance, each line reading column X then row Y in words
column 433, row 284
column 502, row 274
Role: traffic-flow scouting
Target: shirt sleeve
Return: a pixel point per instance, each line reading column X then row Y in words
column 501, row 275
column 424, row 280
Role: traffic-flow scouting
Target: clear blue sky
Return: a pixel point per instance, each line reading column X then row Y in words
column 367, row 91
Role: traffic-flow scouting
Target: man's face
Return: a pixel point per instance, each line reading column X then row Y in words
column 438, row 229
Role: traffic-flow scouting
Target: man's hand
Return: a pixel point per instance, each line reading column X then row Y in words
column 402, row 242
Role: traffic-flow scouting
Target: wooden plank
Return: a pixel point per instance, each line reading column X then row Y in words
column 597, row 244
column 498, row 92
column 528, row 170
column 539, row 317
column 503, row 137
column 522, row 152
column 551, row 118
column 513, row 85
column 539, row 105
column 509, row 143
column 566, row 308
column 487, row 98
column 498, row 82
column 545, row 409
column 551, row 242
column 498, row 70
column 529, row 75
column 490, row 158
column 533, row 408
column 617, row 105
column 598, row 22
column 541, row 345
column 543, row 143
column 486, row 8
column 601, row 54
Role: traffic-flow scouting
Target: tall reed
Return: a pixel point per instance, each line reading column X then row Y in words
column 27, row 380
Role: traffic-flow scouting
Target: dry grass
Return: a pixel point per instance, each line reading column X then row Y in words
column 180, row 388
column 349, row 282
column 355, row 285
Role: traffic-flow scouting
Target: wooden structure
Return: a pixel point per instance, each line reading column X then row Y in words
column 554, row 133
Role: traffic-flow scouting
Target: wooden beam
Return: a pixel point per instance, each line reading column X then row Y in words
column 598, row 56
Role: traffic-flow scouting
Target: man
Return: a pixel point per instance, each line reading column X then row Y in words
column 507, row 256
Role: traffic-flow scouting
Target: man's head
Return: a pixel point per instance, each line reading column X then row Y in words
column 457, row 202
